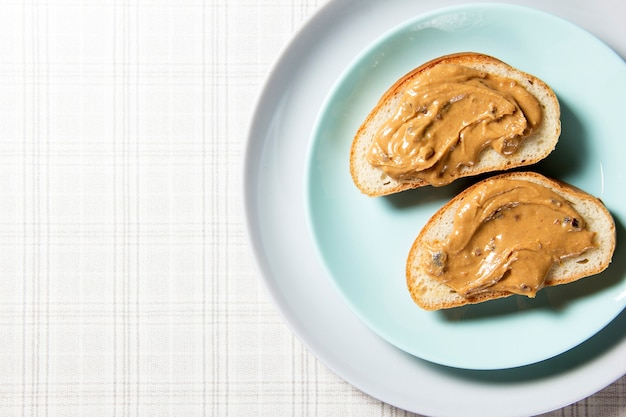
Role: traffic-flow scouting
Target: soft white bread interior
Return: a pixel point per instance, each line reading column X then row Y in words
column 373, row 181
column 431, row 294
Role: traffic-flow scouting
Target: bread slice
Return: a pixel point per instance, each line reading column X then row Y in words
column 372, row 181
column 431, row 294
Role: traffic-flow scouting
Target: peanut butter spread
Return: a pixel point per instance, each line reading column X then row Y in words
column 447, row 117
column 506, row 236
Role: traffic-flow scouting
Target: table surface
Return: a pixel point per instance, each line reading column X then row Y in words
column 128, row 287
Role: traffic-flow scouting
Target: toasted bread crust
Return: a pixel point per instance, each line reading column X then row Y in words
column 372, row 181
column 431, row 294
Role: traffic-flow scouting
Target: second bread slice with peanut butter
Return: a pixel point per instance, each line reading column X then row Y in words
column 513, row 233
column 456, row 116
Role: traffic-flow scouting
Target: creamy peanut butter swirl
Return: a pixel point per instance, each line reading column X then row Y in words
column 447, row 117
column 506, row 236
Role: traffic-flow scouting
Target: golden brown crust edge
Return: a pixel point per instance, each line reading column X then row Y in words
column 461, row 58
column 455, row 300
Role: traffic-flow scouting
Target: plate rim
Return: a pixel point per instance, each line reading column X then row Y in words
column 328, row 12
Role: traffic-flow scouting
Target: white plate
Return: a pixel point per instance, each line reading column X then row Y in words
column 275, row 155
column 364, row 241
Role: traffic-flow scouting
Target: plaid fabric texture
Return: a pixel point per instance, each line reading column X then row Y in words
column 127, row 287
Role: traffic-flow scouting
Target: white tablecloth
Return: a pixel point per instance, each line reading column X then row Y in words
column 127, row 287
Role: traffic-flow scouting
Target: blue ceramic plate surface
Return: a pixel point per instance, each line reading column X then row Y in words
column 363, row 242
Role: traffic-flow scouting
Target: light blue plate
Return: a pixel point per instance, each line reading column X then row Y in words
column 364, row 241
